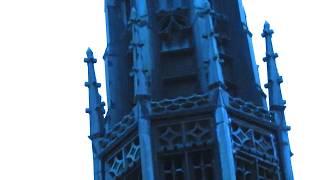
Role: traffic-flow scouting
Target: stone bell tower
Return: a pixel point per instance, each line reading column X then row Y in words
column 184, row 96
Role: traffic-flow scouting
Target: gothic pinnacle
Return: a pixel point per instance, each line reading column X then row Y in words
column 277, row 104
column 89, row 53
column 138, row 70
column 274, row 79
column 215, row 78
column 133, row 14
column 96, row 106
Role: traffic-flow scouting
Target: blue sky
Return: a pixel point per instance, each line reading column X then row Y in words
column 43, row 127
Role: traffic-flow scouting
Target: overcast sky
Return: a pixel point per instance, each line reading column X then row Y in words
column 43, row 127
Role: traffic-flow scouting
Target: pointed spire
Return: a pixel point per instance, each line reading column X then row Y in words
column 138, row 70
column 215, row 78
column 142, row 62
column 277, row 104
column 133, row 14
column 89, row 53
column 274, row 80
column 133, row 19
column 96, row 106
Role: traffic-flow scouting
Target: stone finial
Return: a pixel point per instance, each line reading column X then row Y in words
column 274, row 79
column 96, row 106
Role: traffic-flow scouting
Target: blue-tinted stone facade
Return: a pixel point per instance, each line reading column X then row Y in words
column 184, row 96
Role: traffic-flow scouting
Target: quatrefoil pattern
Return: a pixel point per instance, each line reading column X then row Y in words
column 184, row 135
column 133, row 154
column 253, row 141
column 127, row 123
column 117, row 167
column 242, row 137
column 125, row 159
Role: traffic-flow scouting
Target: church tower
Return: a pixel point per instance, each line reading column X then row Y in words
column 184, row 96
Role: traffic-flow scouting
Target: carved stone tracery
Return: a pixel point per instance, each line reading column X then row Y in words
column 184, row 135
column 124, row 159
